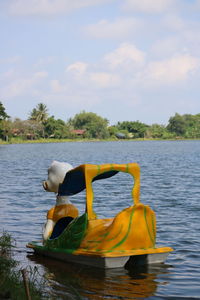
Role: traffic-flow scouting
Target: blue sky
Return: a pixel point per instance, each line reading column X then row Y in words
column 122, row 59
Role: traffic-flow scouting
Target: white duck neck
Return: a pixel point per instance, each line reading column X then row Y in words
column 60, row 200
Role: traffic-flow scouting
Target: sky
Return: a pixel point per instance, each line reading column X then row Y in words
column 124, row 60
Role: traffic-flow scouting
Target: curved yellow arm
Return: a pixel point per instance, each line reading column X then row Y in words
column 91, row 171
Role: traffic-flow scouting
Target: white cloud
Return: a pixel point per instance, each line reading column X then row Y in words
column 149, row 6
column 78, row 68
column 104, row 79
column 173, row 22
column 125, row 69
column 41, row 74
column 126, row 56
column 120, row 28
column 10, row 60
column 17, row 88
column 166, row 47
column 181, row 36
column 44, row 61
column 49, row 7
column 191, row 38
column 8, row 75
column 21, row 85
column 169, row 71
column 84, row 75
column 56, row 87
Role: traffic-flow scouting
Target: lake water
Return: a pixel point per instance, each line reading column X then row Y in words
column 170, row 185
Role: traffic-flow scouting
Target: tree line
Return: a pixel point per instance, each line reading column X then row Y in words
column 89, row 125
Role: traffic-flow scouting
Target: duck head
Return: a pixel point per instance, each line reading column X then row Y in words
column 56, row 175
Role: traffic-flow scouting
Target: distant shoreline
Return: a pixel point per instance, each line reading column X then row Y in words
column 45, row 141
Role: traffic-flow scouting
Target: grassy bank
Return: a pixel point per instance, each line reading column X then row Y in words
column 15, row 283
column 20, row 141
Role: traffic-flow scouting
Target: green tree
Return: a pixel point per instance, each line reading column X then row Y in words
column 192, row 126
column 3, row 114
column 6, row 126
column 4, row 123
column 177, row 125
column 55, row 128
column 137, row 128
column 156, row 131
column 190, row 120
column 113, row 130
column 95, row 126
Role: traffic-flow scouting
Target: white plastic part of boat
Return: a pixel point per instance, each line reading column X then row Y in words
column 106, row 262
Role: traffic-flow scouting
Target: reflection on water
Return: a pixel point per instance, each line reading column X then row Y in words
column 91, row 283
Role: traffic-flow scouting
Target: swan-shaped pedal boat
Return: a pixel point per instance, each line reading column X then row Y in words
column 126, row 240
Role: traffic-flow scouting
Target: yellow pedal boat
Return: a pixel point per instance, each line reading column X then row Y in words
column 126, row 240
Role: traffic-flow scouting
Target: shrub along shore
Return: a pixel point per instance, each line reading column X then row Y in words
column 16, row 283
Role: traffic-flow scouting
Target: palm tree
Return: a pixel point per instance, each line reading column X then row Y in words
column 39, row 114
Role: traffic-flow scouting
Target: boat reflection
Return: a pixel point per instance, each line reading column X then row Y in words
column 73, row 281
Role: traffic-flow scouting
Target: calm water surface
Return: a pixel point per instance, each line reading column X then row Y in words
column 170, row 173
